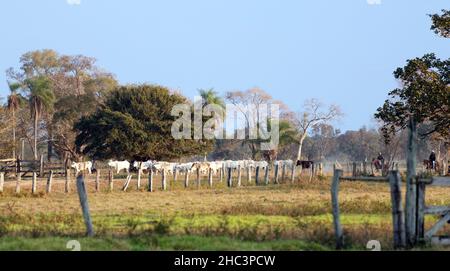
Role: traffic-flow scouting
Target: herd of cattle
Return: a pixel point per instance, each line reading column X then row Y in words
column 202, row 167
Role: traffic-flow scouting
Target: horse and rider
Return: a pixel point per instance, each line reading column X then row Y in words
column 431, row 163
column 379, row 162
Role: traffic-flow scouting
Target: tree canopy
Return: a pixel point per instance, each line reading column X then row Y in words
column 441, row 23
column 424, row 97
column 135, row 124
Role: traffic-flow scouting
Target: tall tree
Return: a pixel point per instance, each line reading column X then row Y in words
column 135, row 123
column 250, row 104
column 41, row 99
column 79, row 87
column 15, row 100
column 313, row 114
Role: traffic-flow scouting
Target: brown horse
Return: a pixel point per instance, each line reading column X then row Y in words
column 429, row 165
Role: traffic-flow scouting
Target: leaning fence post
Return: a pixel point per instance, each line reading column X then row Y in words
column 34, row 183
column 49, row 182
column 127, row 182
column 85, row 205
column 336, row 214
column 2, row 181
column 398, row 214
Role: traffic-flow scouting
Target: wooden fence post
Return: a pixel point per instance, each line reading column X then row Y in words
column 210, row 178
column 41, row 166
column 2, row 181
column 239, row 181
column 411, row 186
column 186, row 179
column 139, row 179
column 277, row 169
column 97, row 180
column 49, row 182
column 163, row 180
column 18, row 182
column 293, row 173
column 354, row 171
column 336, row 214
column 198, row 178
column 127, row 182
column 34, row 183
column 266, row 175
column 221, row 174
column 398, row 214
column 67, row 183
column 249, row 174
column 283, row 172
column 420, row 221
column 257, row 175
column 150, row 180
column 230, row 177
column 81, row 187
column 175, row 175
column 111, row 180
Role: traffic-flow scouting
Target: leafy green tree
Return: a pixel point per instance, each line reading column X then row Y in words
column 441, row 23
column 41, row 100
column 14, row 102
column 135, row 124
column 424, row 97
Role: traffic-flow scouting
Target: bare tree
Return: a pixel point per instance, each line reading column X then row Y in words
column 314, row 113
column 254, row 98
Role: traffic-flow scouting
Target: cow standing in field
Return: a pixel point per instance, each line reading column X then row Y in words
column 82, row 166
column 118, row 166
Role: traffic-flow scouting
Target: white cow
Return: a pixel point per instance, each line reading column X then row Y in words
column 143, row 165
column 216, row 167
column 166, row 166
column 82, row 166
column 119, row 166
column 183, row 168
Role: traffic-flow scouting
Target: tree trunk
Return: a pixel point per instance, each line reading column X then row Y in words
column 300, row 147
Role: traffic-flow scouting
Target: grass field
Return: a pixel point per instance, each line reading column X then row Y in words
column 275, row 217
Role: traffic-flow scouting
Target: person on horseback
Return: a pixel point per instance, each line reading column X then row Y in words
column 380, row 161
column 432, row 160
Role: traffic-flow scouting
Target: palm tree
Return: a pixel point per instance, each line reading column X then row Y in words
column 41, row 99
column 15, row 100
column 210, row 96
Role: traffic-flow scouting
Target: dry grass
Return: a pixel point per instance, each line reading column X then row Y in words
column 300, row 211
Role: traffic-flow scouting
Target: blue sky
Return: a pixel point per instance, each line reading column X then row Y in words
column 342, row 52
